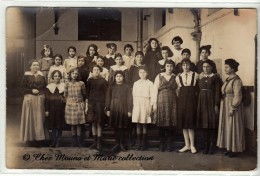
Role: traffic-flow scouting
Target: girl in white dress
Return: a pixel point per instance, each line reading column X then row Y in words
column 142, row 92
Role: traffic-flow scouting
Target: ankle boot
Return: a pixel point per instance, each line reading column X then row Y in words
column 58, row 142
column 212, row 148
column 138, row 142
column 99, row 143
column 144, row 142
column 169, row 146
column 94, row 145
column 74, row 141
column 79, row 141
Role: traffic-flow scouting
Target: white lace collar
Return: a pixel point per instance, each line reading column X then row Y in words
column 53, row 86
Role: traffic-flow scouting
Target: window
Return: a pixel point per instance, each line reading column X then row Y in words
column 99, row 24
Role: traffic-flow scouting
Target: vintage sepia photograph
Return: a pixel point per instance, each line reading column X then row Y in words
column 151, row 89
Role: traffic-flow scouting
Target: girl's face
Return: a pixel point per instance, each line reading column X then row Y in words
column 57, row 61
column 95, row 71
column 186, row 67
column 168, row 68
column 143, row 74
column 111, row 50
column 185, row 56
column 154, row 44
column 100, row 62
column 138, row 59
column 56, row 77
column 74, row 75
column 91, row 51
column 228, row 70
column 165, row 54
column 72, row 52
column 204, row 54
column 128, row 51
column 81, row 62
column 119, row 61
column 207, row 68
column 119, row 78
column 35, row 67
column 47, row 52
column 177, row 44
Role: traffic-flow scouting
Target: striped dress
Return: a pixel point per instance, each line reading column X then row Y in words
column 75, row 105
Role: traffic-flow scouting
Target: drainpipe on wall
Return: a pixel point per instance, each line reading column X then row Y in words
column 140, row 30
column 197, row 31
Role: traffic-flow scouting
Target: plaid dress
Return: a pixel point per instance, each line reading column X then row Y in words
column 166, row 113
column 75, row 105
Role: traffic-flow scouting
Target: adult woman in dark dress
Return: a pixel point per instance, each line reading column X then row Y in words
column 32, row 118
column 187, row 104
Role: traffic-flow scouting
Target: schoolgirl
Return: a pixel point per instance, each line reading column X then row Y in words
column 118, row 66
column 109, row 59
column 83, row 69
column 165, row 104
column 127, row 57
column 71, row 61
column 187, row 105
column 185, row 54
column 142, row 109
column 95, row 103
column 204, row 54
column 166, row 52
column 75, row 93
column 46, row 60
column 91, row 55
column 54, row 108
column 177, row 42
column 119, row 108
column 104, row 73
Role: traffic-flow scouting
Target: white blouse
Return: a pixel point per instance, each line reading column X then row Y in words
column 186, row 79
column 143, row 88
column 128, row 61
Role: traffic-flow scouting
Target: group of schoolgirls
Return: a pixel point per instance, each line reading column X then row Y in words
column 132, row 92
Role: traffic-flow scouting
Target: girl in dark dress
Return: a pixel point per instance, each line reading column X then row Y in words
column 83, row 69
column 91, row 56
column 55, row 107
column 109, row 59
column 187, row 104
column 95, row 103
column 119, row 108
column 152, row 57
column 165, row 104
column 185, row 55
column 208, row 106
column 205, row 53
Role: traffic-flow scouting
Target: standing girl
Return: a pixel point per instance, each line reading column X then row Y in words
column 83, row 70
column 166, row 52
column 187, row 104
column 46, row 61
column 165, row 104
column 54, row 107
column 231, row 131
column 71, row 61
column 185, row 55
column 152, row 57
column 119, row 107
column 208, row 106
column 142, row 93
column 32, row 117
column 109, row 58
column 119, row 66
column 96, row 92
column 205, row 53
column 104, row 73
column 57, row 66
column 134, row 69
column 91, row 55
column 127, row 57
column 177, row 42
column 75, row 93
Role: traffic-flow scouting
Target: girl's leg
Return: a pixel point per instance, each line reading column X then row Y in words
column 187, row 141
column 74, row 135
column 94, row 132
column 53, row 137
column 59, row 134
column 99, row 134
column 169, row 139
column 79, row 135
column 213, row 140
column 144, row 140
column 192, row 139
column 162, row 138
column 138, row 140
column 117, row 137
column 205, row 135
column 122, row 135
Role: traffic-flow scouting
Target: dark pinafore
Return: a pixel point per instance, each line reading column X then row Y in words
column 187, row 105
